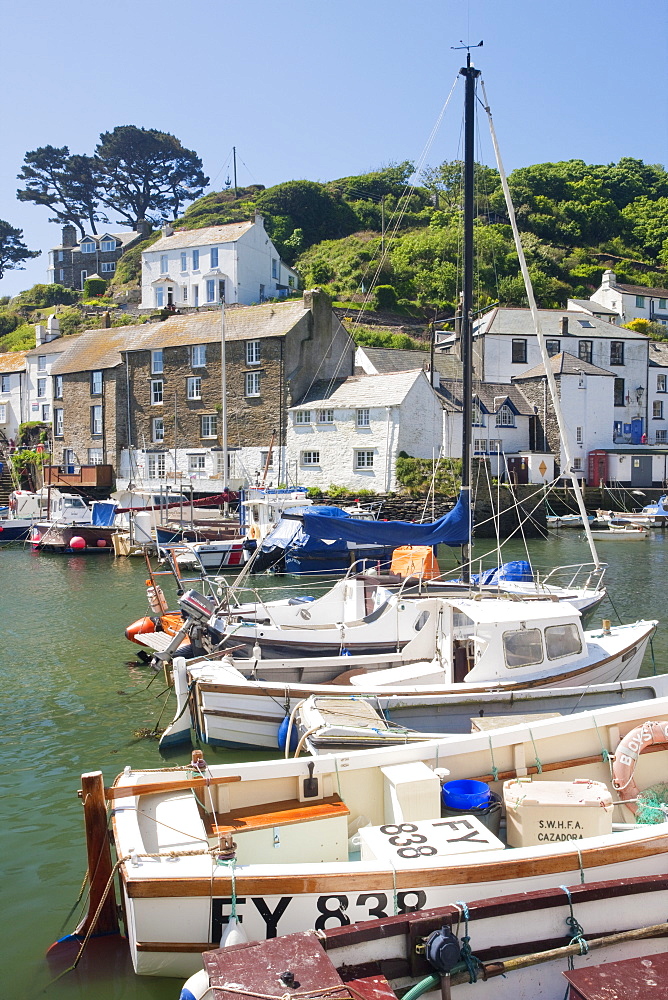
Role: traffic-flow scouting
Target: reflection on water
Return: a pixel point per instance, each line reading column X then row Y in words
column 73, row 698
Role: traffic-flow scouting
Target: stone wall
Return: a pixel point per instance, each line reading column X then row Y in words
column 76, row 405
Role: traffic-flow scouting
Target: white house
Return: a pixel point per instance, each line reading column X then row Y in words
column 657, row 385
column 632, row 301
column 12, row 393
column 188, row 268
column 350, row 431
column 593, row 309
column 41, row 388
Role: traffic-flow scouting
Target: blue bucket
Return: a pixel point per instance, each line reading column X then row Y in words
column 465, row 794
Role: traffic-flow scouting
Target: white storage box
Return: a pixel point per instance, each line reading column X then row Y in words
column 426, row 841
column 543, row 812
column 411, row 792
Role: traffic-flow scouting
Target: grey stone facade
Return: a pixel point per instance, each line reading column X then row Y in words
column 68, row 264
column 79, row 437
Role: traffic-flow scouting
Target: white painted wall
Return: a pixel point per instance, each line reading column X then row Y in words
column 627, row 303
column 245, row 466
column 657, row 430
column 11, row 403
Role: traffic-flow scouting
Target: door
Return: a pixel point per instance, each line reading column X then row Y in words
column 636, row 430
column 518, row 470
column 641, row 470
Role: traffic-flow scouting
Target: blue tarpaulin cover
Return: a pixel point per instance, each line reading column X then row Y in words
column 451, row 529
column 516, row 570
column 103, row 513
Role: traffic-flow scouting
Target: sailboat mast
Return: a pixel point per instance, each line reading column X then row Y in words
column 466, row 335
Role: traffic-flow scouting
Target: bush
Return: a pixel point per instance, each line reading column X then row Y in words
column 416, row 474
column 40, row 296
column 94, row 287
column 384, row 297
column 20, row 339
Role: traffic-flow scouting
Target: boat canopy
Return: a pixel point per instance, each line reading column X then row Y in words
column 451, row 529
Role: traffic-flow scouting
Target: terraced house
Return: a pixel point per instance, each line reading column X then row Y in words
column 74, row 260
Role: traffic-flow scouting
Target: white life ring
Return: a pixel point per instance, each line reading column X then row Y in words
column 626, row 757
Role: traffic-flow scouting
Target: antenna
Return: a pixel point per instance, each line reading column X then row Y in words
column 463, row 45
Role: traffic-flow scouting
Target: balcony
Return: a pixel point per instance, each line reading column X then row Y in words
column 79, row 475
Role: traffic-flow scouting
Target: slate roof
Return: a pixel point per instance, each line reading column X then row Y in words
column 13, row 361
column 658, row 354
column 386, row 359
column 519, row 323
column 181, row 239
column 361, row 390
column 56, row 346
column 127, row 236
column 98, row 349
column 589, row 305
column 660, row 293
column 565, row 364
column 492, row 395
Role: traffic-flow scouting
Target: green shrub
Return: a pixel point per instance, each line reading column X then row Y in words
column 40, row 296
column 94, row 287
column 20, row 339
column 417, row 474
column 384, row 297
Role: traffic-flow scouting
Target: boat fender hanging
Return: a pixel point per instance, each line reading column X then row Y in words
column 283, row 735
column 156, row 599
column 254, row 532
column 196, row 987
column 626, row 757
column 442, row 950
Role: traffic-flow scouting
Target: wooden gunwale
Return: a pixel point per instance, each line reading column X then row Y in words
column 154, row 787
column 348, row 881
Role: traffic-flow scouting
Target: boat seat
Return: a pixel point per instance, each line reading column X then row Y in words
column 273, row 814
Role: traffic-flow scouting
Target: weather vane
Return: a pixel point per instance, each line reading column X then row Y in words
column 458, row 48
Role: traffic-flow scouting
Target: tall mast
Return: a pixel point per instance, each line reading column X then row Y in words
column 470, row 75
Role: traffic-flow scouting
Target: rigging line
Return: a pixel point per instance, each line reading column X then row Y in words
column 225, row 164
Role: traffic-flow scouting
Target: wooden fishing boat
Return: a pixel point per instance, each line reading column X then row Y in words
column 516, row 946
column 462, row 648
column 269, row 841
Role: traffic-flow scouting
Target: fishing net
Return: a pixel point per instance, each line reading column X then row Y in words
column 652, row 804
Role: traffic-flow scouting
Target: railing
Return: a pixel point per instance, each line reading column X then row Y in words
column 83, row 475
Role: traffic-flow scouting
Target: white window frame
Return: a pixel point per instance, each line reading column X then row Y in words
column 363, row 459
column 184, row 261
column 214, row 257
column 58, row 422
column 41, row 363
column 156, row 465
column 577, row 464
column 325, row 416
column 480, row 446
column 158, row 429
column 108, row 246
column 302, row 417
column 108, row 265
column 96, row 420
column 184, row 293
column 208, row 425
column 660, row 383
column 157, row 392
column 95, row 456
column 196, row 464
column 164, row 263
column 578, row 435
column 252, row 384
column 505, row 416
column 3, row 413
column 160, row 297
column 57, row 386
column 194, row 387
column 309, row 457
column 661, row 436
column 198, row 356
column 274, row 268
column 657, row 409
column 263, row 459
column 96, row 380
column 495, row 446
column 195, row 260
column 157, row 362
column 252, row 352
column 6, row 383
column 87, row 246
column 41, row 388
column 363, row 418
column 477, row 415
column 61, row 274
column 46, row 413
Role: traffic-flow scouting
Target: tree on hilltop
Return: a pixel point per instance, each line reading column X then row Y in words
column 67, row 184
column 13, row 250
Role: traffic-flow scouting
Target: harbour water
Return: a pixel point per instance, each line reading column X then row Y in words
column 75, row 700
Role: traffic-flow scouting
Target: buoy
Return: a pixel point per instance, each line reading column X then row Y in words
column 77, row 542
column 283, row 735
column 196, row 987
column 156, row 599
column 101, row 543
column 233, row 934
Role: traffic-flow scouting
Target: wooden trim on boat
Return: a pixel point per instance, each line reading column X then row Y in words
column 403, row 878
column 557, row 765
column 278, row 814
column 176, row 947
column 149, row 788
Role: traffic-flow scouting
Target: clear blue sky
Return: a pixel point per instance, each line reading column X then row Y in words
column 320, row 90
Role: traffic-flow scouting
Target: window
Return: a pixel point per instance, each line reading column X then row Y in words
column 198, row 355
column 495, row 446
column 184, row 261
column 158, row 429
column 96, row 383
column 505, row 417
column 364, row 460
column 87, row 246
column 267, row 459
column 617, row 430
column 196, row 463
column 214, row 256
column 252, row 384
column 616, row 352
column 195, row 260
column 640, row 301
column 562, row 640
column 586, row 324
column 82, row 278
column 108, row 265
column 363, row 417
column 58, row 423
column 194, row 387
column 480, row 445
column 195, row 295
column 156, row 466
column 156, row 391
column 619, row 392
column 46, row 413
column 302, row 416
column 274, row 268
column 553, row 347
column 310, row 458
column 519, row 352
column 107, row 246
column 95, row 456
column 325, row 416
column 261, row 296
column 41, row 363
column 585, row 350
column 523, row 647
column 252, row 352
column 477, row 416
column 210, row 290
column 578, row 435
column 291, row 282
column 61, row 274
column 208, row 425
column 3, row 413
column 60, row 255
column 577, row 465
column 164, row 263
column 58, row 387
column 661, row 437
column 660, row 383
column 5, row 383
column 41, row 387
column 156, row 362
column 184, row 293
column 96, row 419
column 657, row 409
column 160, row 297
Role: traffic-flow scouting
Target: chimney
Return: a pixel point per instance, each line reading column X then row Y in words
column 564, row 326
column 259, row 219
column 143, row 228
column 40, row 335
column 52, row 328
column 168, row 229
column 106, row 320
column 609, row 279
column 69, row 236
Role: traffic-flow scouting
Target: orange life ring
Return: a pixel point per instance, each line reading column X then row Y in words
column 626, row 758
